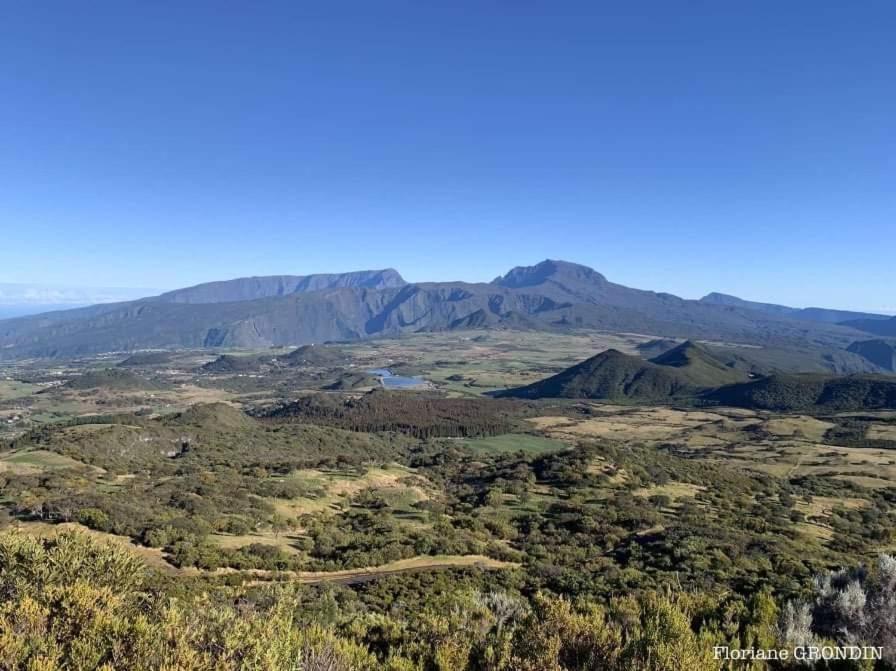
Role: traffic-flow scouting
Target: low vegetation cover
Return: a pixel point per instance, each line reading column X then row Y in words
column 69, row 602
column 418, row 415
column 334, row 527
column 689, row 373
column 794, row 393
column 113, row 379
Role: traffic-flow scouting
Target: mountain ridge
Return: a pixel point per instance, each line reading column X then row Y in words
column 552, row 295
column 825, row 315
column 265, row 286
column 880, row 327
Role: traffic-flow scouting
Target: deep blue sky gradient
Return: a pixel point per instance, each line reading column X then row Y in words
column 685, row 147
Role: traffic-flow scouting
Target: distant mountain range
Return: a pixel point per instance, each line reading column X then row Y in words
column 294, row 310
column 883, row 325
column 808, row 314
column 254, row 288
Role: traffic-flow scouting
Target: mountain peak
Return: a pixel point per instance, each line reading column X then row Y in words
column 549, row 269
column 719, row 298
column 698, row 364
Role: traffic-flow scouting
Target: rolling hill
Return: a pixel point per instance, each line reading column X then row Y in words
column 313, row 355
column 306, row 355
column 767, row 360
column 808, row 392
column 698, row 365
column 612, row 375
column 690, row 372
column 113, row 379
column 233, row 363
column 266, row 312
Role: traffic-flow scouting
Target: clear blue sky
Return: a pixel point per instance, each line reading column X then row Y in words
column 742, row 147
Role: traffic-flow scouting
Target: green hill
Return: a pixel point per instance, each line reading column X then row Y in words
column 612, row 375
column 349, row 381
column 699, row 366
column 210, row 416
column 806, row 392
column 113, row 380
column 653, row 348
column 230, row 363
column 609, row 375
column 313, row 355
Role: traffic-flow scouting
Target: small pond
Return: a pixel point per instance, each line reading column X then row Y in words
column 391, row 381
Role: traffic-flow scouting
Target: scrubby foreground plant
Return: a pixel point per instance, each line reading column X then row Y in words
column 69, row 602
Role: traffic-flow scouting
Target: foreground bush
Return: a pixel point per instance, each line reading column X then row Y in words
column 70, row 602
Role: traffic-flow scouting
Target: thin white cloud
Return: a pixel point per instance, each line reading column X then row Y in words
column 36, row 294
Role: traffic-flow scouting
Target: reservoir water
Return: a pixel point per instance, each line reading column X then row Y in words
column 391, row 381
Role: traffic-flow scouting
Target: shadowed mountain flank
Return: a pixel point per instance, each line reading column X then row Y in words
column 881, row 353
column 881, row 327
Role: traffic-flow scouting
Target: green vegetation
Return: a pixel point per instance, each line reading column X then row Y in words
column 436, row 530
column 513, row 442
column 113, row 379
column 795, row 393
column 698, row 365
column 212, row 487
column 417, row 415
column 72, row 603
column 229, row 363
column 14, row 389
column 690, row 374
column 351, row 381
column 610, row 375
